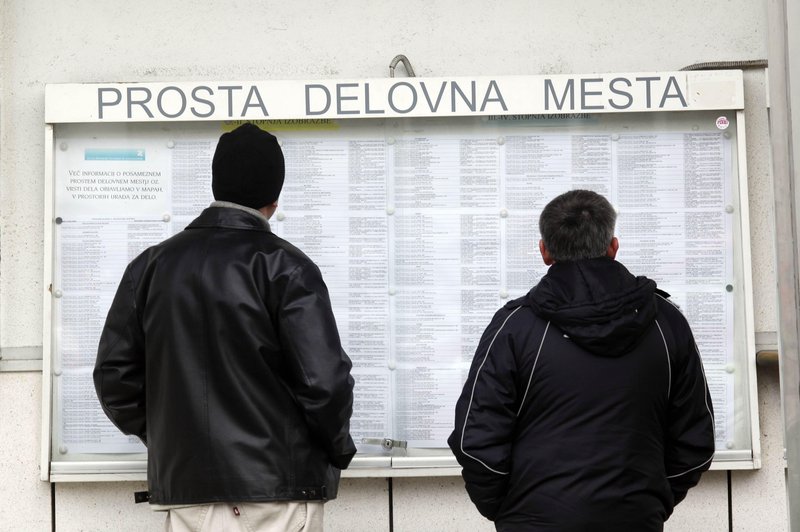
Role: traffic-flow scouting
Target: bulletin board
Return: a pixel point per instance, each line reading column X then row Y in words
column 423, row 220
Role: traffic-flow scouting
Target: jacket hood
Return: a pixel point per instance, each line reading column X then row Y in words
column 597, row 302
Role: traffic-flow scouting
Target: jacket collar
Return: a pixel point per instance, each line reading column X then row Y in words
column 232, row 216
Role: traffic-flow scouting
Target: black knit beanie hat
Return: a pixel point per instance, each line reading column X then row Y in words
column 248, row 167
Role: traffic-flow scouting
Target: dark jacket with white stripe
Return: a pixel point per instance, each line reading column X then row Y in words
column 586, row 406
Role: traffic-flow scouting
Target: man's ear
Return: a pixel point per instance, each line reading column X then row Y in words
column 548, row 260
column 269, row 210
column 613, row 247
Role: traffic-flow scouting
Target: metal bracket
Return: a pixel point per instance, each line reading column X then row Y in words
column 406, row 63
column 387, row 443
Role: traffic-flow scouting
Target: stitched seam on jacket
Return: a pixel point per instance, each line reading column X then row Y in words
column 472, row 395
column 705, row 382
column 297, row 269
column 669, row 364
column 670, row 302
column 533, row 369
column 713, row 428
column 119, row 337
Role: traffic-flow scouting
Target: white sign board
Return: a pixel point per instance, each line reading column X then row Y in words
column 422, row 228
column 392, row 97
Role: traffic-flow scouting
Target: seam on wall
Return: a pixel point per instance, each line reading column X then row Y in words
column 53, row 506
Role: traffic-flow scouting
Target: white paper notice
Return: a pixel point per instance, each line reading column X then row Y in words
column 422, row 230
column 92, row 256
column 114, row 196
column 672, row 190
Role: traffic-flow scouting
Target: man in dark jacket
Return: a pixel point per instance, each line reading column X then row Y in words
column 220, row 351
column 586, row 406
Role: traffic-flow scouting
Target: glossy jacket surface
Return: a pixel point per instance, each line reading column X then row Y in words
column 220, row 351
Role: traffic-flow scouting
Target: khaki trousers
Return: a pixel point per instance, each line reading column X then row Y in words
column 247, row 517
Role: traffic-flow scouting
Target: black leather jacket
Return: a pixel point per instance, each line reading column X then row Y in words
column 220, row 351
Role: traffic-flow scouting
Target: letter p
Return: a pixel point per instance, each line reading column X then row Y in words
column 102, row 102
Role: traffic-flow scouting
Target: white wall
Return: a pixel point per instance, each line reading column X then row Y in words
column 73, row 41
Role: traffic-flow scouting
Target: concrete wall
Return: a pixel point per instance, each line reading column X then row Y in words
column 72, row 41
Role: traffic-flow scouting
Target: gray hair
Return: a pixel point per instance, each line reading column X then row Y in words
column 578, row 224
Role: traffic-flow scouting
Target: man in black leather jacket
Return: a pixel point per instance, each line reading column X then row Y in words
column 586, row 408
column 220, row 351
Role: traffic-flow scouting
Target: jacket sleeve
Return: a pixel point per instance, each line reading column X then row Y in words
column 119, row 372
column 485, row 419
column 690, row 431
column 322, row 383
